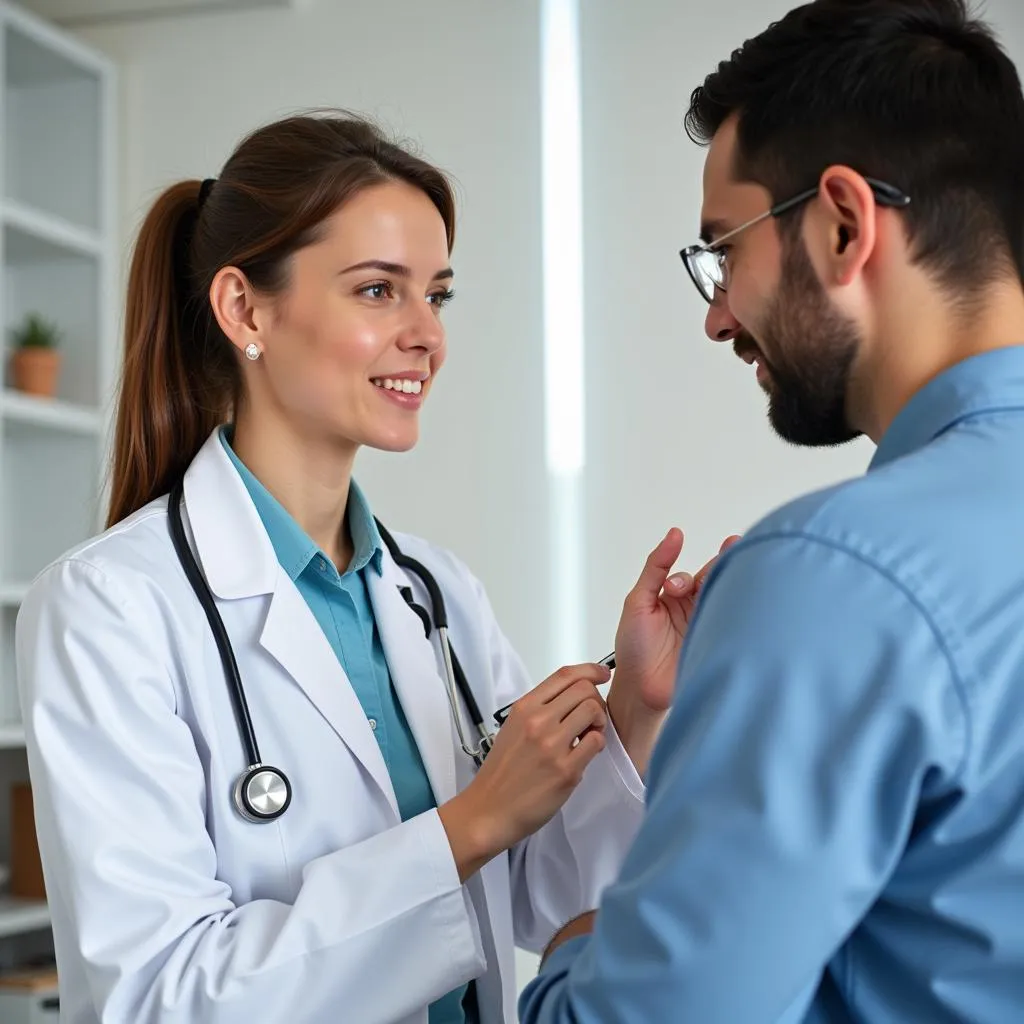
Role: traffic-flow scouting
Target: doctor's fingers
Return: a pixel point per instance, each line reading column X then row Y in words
column 590, row 745
column 557, row 683
column 580, row 694
column 586, row 717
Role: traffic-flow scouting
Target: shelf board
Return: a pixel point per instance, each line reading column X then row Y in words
column 50, row 413
column 12, row 737
column 12, row 594
column 35, row 236
column 18, row 915
column 43, row 53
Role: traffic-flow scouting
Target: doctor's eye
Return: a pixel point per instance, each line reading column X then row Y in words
column 378, row 290
column 441, row 299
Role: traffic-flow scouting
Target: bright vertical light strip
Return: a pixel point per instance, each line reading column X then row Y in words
column 563, row 231
column 563, row 315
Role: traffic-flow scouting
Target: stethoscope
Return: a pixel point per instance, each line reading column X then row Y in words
column 262, row 792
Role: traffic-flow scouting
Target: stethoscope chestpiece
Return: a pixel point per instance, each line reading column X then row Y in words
column 262, row 793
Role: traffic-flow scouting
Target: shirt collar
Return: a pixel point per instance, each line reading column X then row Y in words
column 983, row 383
column 294, row 548
column 366, row 539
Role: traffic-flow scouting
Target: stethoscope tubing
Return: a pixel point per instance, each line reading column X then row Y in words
column 263, row 793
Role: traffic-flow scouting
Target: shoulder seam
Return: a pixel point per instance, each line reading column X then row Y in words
column 113, row 588
column 959, row 685
column 76, row 554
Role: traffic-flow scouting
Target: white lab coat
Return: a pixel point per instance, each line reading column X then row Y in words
column 166, row 904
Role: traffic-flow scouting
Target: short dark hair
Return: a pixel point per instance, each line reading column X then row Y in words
column 918, row 93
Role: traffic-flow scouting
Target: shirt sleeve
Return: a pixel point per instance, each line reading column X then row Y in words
column 561, row 870
column 816, row 706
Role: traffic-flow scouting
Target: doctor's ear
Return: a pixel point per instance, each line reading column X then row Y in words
column 240, row 312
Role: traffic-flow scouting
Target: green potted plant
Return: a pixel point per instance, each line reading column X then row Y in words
column 35, row 362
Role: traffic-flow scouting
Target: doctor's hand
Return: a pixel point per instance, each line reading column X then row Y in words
column 532, row 769
column 656, row 616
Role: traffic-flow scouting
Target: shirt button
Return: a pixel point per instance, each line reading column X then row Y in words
column 373, row 723
column 323, row 565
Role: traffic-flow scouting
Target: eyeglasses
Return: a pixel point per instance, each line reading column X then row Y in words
column 707, row 263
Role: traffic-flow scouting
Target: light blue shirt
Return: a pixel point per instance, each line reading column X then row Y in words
column 835, row 819
column 341, row 604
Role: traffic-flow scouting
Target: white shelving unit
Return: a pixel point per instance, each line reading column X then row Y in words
column 12, row 737
column 17, row 916
column 57, row 253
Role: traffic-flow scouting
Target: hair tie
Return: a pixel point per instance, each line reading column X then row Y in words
column 204, row 191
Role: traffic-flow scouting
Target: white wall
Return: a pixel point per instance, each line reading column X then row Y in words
column 460, row 79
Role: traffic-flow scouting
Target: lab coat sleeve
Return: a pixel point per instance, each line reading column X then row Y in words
column 131, row 870
column 816, row 706
column 561, row 870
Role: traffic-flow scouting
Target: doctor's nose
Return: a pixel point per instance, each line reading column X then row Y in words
column 720, row 324
column 423, row 330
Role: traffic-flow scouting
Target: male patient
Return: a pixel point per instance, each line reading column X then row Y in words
column 835, row 821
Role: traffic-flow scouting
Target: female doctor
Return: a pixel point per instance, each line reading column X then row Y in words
column 278, row 318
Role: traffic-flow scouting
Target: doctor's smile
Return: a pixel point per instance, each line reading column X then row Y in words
column 408, row 388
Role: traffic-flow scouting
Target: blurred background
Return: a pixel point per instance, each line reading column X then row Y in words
column 581, row 413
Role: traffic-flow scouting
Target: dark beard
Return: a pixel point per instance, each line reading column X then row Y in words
column 812, row 349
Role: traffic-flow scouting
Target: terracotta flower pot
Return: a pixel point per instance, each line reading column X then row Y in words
column 35, row 371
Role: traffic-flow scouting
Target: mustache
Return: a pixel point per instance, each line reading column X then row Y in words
column 743, row 345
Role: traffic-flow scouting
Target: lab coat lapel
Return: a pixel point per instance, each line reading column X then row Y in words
column 239, row 563
column 414, row 672
column 293, row 637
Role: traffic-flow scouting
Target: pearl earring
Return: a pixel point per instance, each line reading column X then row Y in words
column 252, row 351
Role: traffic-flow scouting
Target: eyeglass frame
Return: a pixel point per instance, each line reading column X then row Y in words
column 885, row 194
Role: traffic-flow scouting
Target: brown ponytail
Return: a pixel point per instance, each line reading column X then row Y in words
column 168, row 405
column 180, row 377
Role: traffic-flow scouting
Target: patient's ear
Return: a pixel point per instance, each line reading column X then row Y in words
column 845, row 215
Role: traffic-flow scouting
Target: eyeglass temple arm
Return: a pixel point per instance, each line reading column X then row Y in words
column 885, row 194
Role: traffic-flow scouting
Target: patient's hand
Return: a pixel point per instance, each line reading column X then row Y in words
column 655, row 618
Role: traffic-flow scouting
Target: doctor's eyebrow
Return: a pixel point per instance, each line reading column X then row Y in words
column 397, row 269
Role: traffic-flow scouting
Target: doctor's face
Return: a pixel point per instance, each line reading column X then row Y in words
column 776, row 311
column 355, row 340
